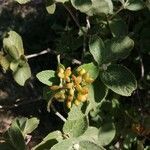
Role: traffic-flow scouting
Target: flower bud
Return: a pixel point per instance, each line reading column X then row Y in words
column 70, row 98
column 82, row 97
column 71, row 92
column 60, row 70
column 67, row 79
column 68, row 103
column 69, row 85
column 61, row 75
column 87, row 78
column 55, row 87
column 77, row 102
column 81, row 71
column 78, row 87
column 68, row 72
column 77, row 80
column 60, row 95
column 84, row 90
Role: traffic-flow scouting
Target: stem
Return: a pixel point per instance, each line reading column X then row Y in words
column 48, row 50
column 58, row 59
column 39, row 54
column 74, row 18
column 111, row 17
column 57, row 113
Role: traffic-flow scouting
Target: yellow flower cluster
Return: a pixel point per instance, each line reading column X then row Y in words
column 74, row 88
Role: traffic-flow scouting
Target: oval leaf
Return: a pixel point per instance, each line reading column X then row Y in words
column 51, row 8
column 13, row 44
column 88, row 145
column 46, row 77
column 118, row 27
column 22, row 74
column 76, row 127
column 93, row 7
column 97, row 48
column 135, row 5
column 119, row 79
column 117, row 48
column 50, row 140
column 107, row 133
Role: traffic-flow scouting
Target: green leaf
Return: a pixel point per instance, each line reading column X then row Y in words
column 51, row 8
column 22, row 74
column 91, row 69
column 50, row 140
column 67, row 144
column 15, row 138
column 101, row 7
column 107, row 133
column 31, row 124
column 91, row 134
column 82, row 5
column 23, row 1
column 76, row 127
column 77, row 122
column 62, row 1
column 14, row 65
column 119, row 79
column 46, row 77
column 97, row 48
column 117, row 48
column 118, row 27
column 76, row 144
column 97, row 92
column 114, row 49
column 13, row 45
column 76, row 112
column 4, row 62
column 134, row 5
column 93, row 7
column 26, row 125
column 88, row 145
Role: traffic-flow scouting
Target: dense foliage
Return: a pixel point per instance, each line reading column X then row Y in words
column 91, row 58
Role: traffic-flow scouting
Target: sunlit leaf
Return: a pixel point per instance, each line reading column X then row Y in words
column 22, row 74
column 23, row 1
column 46, row 77
column 13, row 45
column 135, row 5
column 51, row 8
column 50, row 140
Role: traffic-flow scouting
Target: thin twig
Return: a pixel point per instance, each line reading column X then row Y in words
column 48, row 50
column 72, row 15
column 112, row 16
column 57, row 113
column 88, row 25
column 142, row 67
column 19, row 104
column 74, row 18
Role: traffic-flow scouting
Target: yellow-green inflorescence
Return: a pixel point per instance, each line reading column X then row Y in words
column 73, row 88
